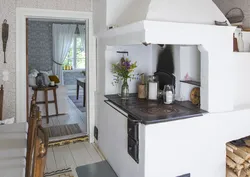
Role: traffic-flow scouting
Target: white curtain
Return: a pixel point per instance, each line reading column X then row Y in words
column 82, row 29
column 62, row 38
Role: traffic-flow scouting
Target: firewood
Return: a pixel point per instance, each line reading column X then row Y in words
column 247, row 142
column 239, row 167
column 246, row 165
column 231, row 163
column 229, row 149
column 230, row 173
column 245, row 148
column 243, row 173
column 235, row 157
column 240, row 151
column 243, row 154
column 238, row 170
column 231, row 146
column 248, row 172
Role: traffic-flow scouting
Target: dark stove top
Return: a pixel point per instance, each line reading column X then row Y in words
column 155, row 111
column 159, row 110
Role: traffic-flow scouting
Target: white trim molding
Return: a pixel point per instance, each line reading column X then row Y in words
column 21, row 15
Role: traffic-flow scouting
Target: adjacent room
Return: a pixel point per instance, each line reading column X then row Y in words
column 56, row 75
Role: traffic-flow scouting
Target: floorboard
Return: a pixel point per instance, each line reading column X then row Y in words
column 72, row 155
column 80, row 154
column 51, row 163
column 92, row 151
column 58, row 155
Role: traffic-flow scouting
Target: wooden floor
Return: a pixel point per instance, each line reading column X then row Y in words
column 75, row 116
column 72, row 155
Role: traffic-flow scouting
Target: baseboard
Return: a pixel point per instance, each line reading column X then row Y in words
column 95, row 145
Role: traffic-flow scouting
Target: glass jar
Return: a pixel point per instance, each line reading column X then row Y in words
column 168, row 94
column 125, row 90
column 152, row 88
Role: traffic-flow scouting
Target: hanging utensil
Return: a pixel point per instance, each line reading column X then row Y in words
column 5, row 36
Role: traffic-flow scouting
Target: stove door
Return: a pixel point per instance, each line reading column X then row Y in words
column 133, row 149
column 133, row 129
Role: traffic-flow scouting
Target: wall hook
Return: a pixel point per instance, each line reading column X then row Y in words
column 122, row 52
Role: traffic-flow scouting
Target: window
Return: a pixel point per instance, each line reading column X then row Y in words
column 76, row 55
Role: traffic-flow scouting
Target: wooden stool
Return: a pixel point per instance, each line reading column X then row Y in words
column 46, row 102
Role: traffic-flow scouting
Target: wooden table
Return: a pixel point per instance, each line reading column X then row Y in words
column 81, row 82
column 46, row 102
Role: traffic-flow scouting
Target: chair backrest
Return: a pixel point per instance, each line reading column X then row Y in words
column 37, row 144
column 1, row 102
column 42, row 143
column 31, row 144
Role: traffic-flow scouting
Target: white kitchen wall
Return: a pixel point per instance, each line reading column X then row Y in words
column 241, row 79
column 139, row 53
column 100, row 15
column 187, row 61
column 156, row 49
column 196, row 146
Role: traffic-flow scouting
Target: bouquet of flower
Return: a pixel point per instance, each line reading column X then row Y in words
column 123, row 70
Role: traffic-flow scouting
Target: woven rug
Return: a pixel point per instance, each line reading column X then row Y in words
column 78, row 103
column 63, row 130
column 67, row 172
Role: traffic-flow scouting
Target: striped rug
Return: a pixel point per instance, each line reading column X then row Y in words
column 67, row 172
column 63, row 130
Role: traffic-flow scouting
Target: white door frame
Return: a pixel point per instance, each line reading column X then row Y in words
column 21, row 15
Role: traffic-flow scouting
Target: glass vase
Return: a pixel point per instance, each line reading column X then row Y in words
column 125, row 90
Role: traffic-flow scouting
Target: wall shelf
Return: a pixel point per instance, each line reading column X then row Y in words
column 191, row 82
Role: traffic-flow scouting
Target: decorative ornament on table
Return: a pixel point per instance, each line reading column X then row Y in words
column 123, row 71
column 195, row 96
column 40, row 80
column 5, row 36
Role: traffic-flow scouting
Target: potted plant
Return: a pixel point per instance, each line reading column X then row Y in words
column 123, row 71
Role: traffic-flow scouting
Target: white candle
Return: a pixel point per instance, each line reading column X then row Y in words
column 169, row 97
column 52, row 83
column 153, row 89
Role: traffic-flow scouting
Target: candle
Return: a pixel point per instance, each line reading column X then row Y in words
column 52, row 83
column 153, row 89
column 169, row 97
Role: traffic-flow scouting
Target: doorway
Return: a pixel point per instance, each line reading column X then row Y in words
column 21, row 82
column 56, row 52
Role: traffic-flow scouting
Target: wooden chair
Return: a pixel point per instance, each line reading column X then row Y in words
column 37, row 144
column 1, row 102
